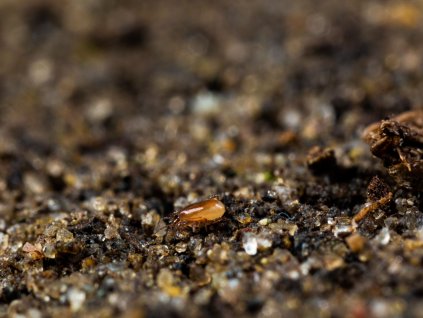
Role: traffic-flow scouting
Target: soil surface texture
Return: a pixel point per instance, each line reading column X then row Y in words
column 303, row 118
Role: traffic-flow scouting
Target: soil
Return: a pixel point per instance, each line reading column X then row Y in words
column 304, row 118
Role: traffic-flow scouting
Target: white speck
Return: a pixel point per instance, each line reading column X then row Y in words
column 342, row 230
column 264, row 221
column 264, row 243
column 264, row 240
column 249, row 242
column 41, row 71
column 343, row 226
column 113, row 299
column 99, row 110
column 233, row 283
column 291, row 118
column 218, row 159
column 380, row 308
column 206, row 103
column 294, row 274
column 76, row 298
column 383, row 237
column 410, row 202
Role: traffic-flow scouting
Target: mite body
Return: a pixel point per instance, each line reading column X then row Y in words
column 204, row 212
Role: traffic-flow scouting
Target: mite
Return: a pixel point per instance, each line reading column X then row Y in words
column 204, row 212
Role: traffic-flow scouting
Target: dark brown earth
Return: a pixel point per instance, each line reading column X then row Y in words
column 115, row 114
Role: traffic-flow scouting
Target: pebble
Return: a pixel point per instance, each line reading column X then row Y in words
column 249, row 243
column 383, row 237
column 76, row 298
column 64, row 236
column 355, row 242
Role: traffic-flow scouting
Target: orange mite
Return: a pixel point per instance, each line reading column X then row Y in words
column 208, row 211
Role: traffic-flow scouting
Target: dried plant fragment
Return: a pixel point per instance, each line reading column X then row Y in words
column 378, row 195
column 398, row 142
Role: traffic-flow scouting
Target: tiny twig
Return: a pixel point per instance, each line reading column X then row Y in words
column 372, row 206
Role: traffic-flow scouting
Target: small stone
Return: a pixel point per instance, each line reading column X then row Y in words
column 100, row 110
column 244, row 218
column 263, row 243
column 34, row 183
column 150, row 219
column 4, row 241
column 2, row 224
column 411, row 245
column 202, row 297
column 181, row 247
column 111, row 232
column 383, row 237
column 219, row 253
column 343, row 227
column 160, row 229
column 88, row 262
column 136, row 260
column 64, row 236
column 49, row 250
column 41, row 71
column 33, row 313
column 230, row 290
column 310, row 263
column 199, row 275
column 249, row 242
column 166, row 282
column 206, row 103
column 355, row 242
column 51, row 230
column 292, row 229
column 34, row 251
column 264, row 240
column 99, row 204
column 76, row 298
column 195, row 245
column 419, row 233
column 333, row 262
column 282, row 226
column 264, row 221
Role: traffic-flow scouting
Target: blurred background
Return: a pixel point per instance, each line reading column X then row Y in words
column 76, row 75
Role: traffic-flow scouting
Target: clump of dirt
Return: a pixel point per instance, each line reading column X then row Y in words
column 398, row 142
